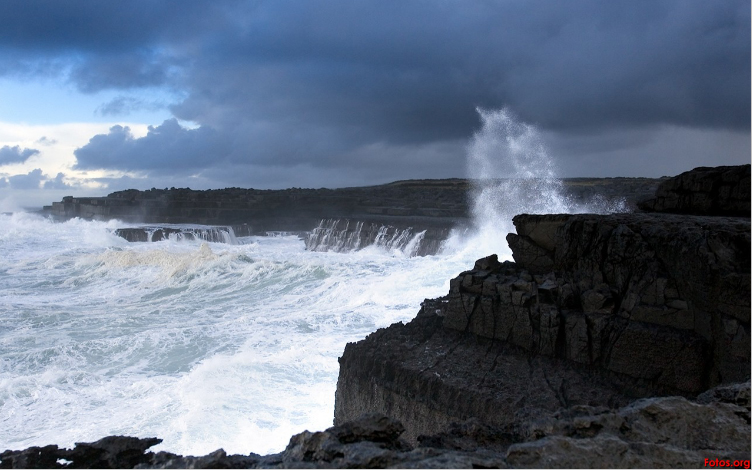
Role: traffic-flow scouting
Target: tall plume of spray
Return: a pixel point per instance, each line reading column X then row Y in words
column 512, row 174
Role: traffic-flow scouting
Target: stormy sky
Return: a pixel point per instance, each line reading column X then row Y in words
column 103, row 95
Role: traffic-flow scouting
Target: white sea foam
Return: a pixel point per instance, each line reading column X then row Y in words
column 205, row 345
column 512, row 174
column 210, row 345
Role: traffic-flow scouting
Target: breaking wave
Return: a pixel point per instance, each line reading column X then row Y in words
column 512, row 173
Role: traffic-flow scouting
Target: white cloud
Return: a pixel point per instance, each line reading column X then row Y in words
column 60, row 140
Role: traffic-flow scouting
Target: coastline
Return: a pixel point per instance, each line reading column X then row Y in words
column 601, row 328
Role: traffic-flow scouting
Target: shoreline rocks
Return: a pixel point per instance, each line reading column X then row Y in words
column 597, row 310
column 648, row 433
column 616, row 340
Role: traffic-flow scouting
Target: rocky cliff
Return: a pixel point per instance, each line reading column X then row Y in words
column 437, row 202
column 616, row 340
column 596, row 310
column 425, row 202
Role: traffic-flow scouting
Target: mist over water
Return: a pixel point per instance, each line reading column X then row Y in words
column 512, row 174
column 210, row 345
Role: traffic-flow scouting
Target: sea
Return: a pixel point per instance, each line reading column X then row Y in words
column 230, row 345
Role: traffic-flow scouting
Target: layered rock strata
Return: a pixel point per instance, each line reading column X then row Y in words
column 661, row 298
column 428, row 377
column 595, row 310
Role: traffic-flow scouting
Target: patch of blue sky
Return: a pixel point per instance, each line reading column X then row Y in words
column 53, row 101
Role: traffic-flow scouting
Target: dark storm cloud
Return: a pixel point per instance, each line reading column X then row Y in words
column 416, row 71
column 166, row 148
column 81, row 26
column 385, row 86
column 10, row 155
column 103, row 45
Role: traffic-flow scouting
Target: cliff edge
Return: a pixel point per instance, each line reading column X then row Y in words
column 595, row 311
column 617, row 340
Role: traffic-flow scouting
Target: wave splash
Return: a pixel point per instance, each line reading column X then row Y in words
column 178, row 233
column 512, row 173
column 343, row 236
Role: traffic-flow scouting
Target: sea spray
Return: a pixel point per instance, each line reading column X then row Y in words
column 512, row 173
column 204, row 346
column 231, row 346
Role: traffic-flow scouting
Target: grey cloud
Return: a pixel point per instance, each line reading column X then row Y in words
column 35, row 179
column 44, row 140
column 57, row 183
column 31, row 180
column 10, row 155
column 122, row 71
column 654, row 151
column 54, row 27
column 168, row 148
column 124, row 105
column 412, row 72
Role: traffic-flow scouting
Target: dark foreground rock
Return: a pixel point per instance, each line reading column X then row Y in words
column 656, row 432
column 597, row 310
column 548, row 353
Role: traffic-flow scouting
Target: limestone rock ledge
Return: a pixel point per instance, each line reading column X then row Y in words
column 596, row 311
